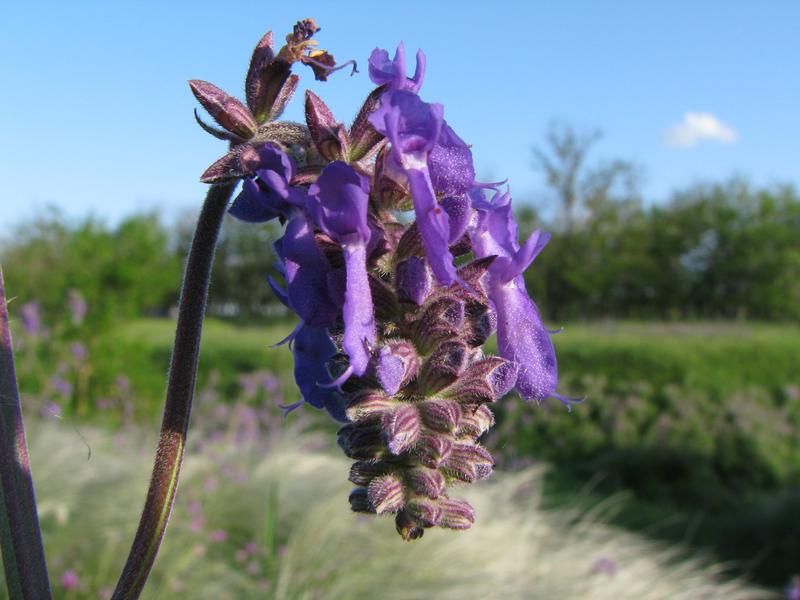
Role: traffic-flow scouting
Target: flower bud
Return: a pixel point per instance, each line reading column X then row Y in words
column 360, row 441
column 359, row 501
column 433, row 448
column 391, row 186
column 386, row 494
column 285, row 93
column 224, row 108
column 414, row 280
column 363, row 136
column 239, row 162
column 397, row 363
column 369, row 404
column 443, row 367
column 443, row 319
column 364, row 471
column 441, row 415
column 474, row 273
column 383, row 299
column 254, row 85
column 410, row 243
column 474, row 421
column 468, row 462
column 327, row 134
column 456, row 514
column 401, row 428
column 407, row 527
column 428, row 482
column 425, row 512
column 484, row 381
column 481, row 323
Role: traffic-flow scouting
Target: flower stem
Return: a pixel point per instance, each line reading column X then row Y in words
column 20, row 536
column 180, row 390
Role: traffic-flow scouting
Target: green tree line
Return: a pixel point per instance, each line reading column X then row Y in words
column 720, row 251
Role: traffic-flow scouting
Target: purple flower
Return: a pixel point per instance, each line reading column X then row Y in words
column 459, row 213
column 78, row 351
column 269, row 195
column 450, row 164
column 77, row 307
column 793, row 591
column 218, row 535
column 29, row 314
column 383, row 71
column 306, row 271
column 606, row 565
column 338, row 203
column 70, row 580
column 521, row 336
column 61, row 386
column 412, row 127
column 313, row 348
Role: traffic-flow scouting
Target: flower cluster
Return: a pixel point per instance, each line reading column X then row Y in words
column 393, row 311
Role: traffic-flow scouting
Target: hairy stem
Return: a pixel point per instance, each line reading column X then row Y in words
column 180, row 390
column 20, row 536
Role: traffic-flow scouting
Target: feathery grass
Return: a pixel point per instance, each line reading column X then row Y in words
column 268, row 518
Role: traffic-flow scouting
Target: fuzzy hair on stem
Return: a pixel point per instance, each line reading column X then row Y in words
column 180, row 391
column 20, row 535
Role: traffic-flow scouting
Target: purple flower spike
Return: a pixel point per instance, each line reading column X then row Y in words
column 338, row 203
column 383, row 71
column 269, row 195
column 391, row 336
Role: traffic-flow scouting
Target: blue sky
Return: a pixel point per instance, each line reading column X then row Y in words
column 96, row 117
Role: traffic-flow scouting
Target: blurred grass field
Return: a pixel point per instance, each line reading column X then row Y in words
column 690, row 427
column 266, row 516
column 713, row 358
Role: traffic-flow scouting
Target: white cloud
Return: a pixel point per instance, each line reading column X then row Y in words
column 697, row 127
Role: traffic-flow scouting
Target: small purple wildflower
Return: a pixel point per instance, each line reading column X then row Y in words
column 78, row 351
column 252, row 549
column 30, row 317
column 605, row 565
column 218, row 536
column 793, row 591
column 52, row 410
column 77, row 307
column 253, row 567
column 70, row 580
column 61, row 386
column 197, row 524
